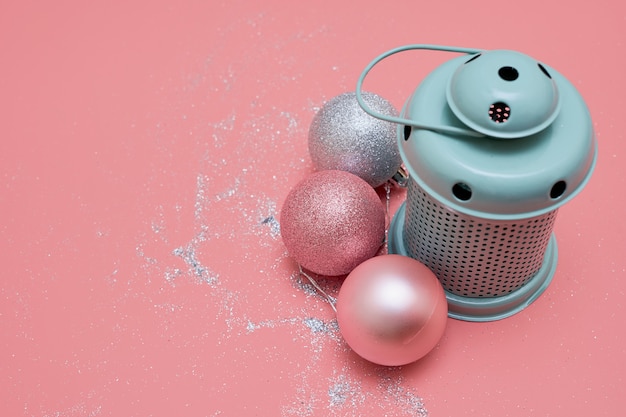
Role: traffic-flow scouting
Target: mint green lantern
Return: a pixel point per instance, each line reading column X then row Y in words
column 494, row 143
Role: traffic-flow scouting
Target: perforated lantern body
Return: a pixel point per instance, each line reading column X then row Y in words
column 480, row 211
column 474, row 257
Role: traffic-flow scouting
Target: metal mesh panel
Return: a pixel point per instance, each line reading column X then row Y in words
column 474, row 257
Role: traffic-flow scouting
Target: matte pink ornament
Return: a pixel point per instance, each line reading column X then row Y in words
column 392, row 310
column 331, row 222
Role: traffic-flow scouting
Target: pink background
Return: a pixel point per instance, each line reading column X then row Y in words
column 146, row 149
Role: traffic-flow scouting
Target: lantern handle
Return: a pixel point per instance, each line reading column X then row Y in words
column 407, row 122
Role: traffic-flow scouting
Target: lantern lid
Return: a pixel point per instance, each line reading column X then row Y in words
column 495, row 176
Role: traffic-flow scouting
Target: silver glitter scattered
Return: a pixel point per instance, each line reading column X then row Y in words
column 157, row 227
column 188, row 252
column 269, row 219
column 80, row 409
column 278, row 128
column 188, row 255
column 171, row 308
column 398, row 396
column 273, row 224
column 344, row 392
column 316, row 325
column 330, row 285
column 338, row 393
column 112, row 277
column 302, row 284
column 304, row 404
column 140, row 252
column 228, row 300
column 172, row 273
column 221, row 129
column 251, row 326
column 200, row 202
column 292, row 120
column 229, row 192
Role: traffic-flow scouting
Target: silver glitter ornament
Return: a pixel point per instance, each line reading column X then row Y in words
column 343, row 137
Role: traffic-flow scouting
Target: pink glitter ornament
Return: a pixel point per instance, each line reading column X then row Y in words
column 392, row 310
column 331, row 222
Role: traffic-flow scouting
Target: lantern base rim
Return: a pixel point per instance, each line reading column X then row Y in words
column 483, row 309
